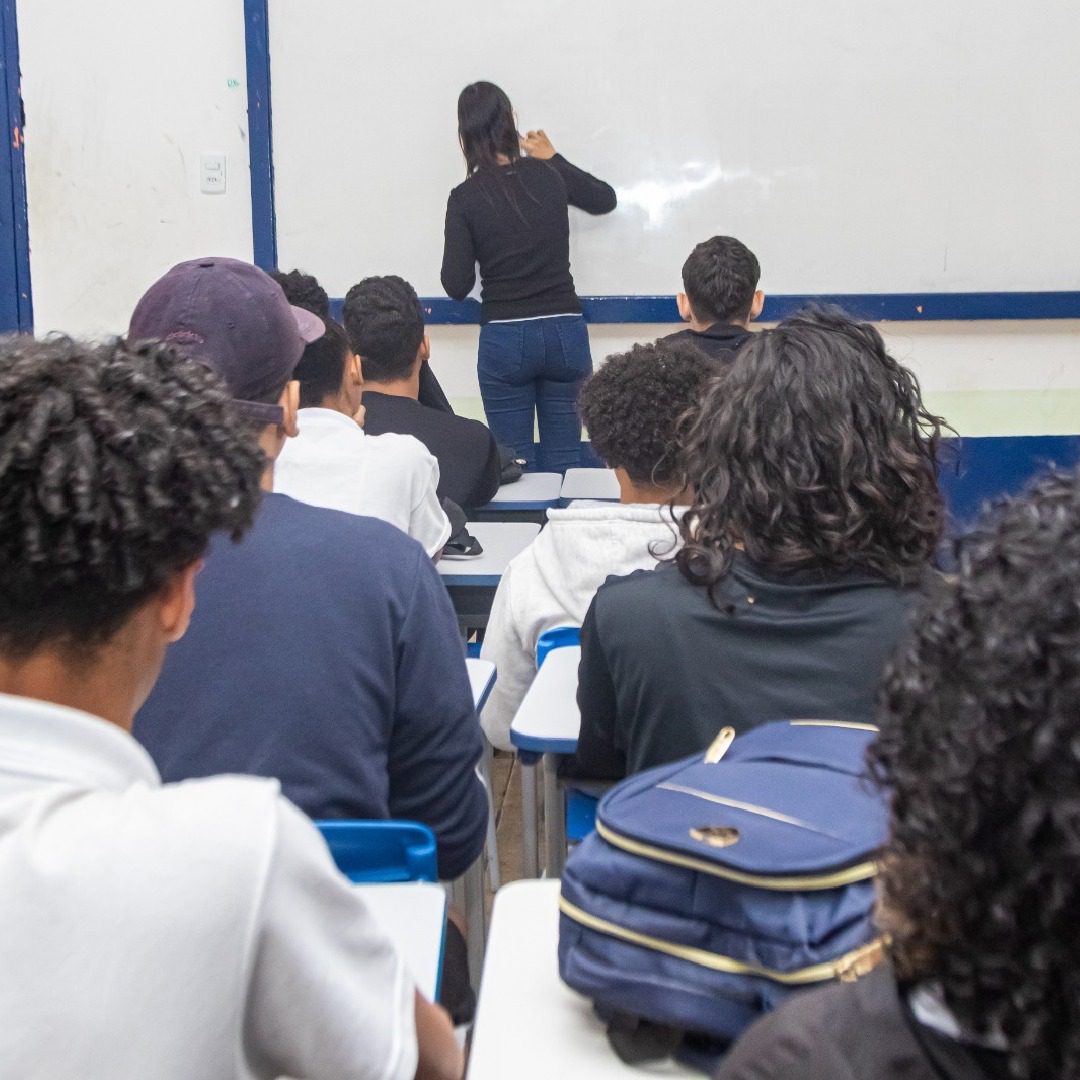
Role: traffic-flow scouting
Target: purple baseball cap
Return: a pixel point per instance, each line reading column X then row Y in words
column 235, row 319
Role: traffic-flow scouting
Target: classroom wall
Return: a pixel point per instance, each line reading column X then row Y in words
column 985, row 378
column 122, row 99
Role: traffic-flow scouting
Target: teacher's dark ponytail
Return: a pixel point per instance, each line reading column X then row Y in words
column 486, row 126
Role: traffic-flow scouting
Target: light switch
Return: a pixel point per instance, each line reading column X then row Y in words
column 212, row 174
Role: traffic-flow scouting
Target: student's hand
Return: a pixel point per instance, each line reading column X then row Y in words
column 440, row 1057
column 536, row 144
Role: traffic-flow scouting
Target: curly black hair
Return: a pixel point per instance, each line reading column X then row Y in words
column 117, row 463
column 720, row 278
column 980, row 746
column 812, row 450
column 303, row 291
column 385, row 324
column 633, row 404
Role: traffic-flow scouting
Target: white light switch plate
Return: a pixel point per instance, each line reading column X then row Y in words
column 212, row 174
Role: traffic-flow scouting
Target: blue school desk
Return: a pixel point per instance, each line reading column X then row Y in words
column 595, row 484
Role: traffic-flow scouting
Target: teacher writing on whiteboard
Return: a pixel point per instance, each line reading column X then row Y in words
column 510, row 217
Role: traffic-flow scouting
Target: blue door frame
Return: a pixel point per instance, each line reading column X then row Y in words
column 16, row 307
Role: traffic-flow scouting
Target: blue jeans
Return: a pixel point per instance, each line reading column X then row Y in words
column 535, row 366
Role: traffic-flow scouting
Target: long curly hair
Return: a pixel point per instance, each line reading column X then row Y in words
column 117, row 463
column 812, row 451
column 980, row 747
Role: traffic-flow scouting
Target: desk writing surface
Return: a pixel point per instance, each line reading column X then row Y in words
column 412, row 914
column 481, row 679
column 548, row 719
column 501, row 541
column 529, row 1024
column 598, row 484
column 536, row 490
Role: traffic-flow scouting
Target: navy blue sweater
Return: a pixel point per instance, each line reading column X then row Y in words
column 324, row 651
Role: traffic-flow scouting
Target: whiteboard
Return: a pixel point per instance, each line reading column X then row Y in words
column 858, row 146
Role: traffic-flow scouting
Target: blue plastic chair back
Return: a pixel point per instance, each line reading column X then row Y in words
column 556, row 638
column 381, row 850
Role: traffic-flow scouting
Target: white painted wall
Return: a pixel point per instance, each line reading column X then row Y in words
column 122, row 97
column 986, row 378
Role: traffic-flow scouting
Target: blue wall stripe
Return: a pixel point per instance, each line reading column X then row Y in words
column 901, row 307
column 17, row 151
column 260, row 133
column 913, row 307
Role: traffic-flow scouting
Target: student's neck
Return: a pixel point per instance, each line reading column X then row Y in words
column 630, row 492
column 408, row 387
column 703, row 327
column 102, row 687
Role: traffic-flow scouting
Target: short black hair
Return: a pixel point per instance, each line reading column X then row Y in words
column 322, row 367
column 720, row 279
column 385, row 324
column 117, row 464
column 813, row 451
column 303, row 291
column 633, row 404
column 978, row 749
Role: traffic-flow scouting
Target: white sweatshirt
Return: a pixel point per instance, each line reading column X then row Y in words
column 552, row 582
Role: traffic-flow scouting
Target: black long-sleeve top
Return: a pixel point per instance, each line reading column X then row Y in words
column 663, row 670
column 513, row 221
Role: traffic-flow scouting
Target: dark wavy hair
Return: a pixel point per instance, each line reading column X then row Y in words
column 303, row 291
column 385, row 324
column 633, row 404
column 486, row 126
column 117, row 464
column 813, row 450
column 980, row 746
column 322, row 366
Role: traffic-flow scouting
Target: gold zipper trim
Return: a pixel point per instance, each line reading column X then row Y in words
column 858, row 872
column 850, row 966
column 835, row 723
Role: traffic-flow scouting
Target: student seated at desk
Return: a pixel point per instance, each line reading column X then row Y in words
column 154, row 930
column 814, row 512
column 333, row 463
column 720, row 296
column 304, row 291
column 979, row 887
column 325, row 651
column 631, row 407
column 385, row 324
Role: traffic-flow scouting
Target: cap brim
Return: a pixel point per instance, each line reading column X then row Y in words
column 311, row 327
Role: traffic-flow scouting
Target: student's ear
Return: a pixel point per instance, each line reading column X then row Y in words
column 177, row 602
column 756, row 305
column 290, row 404
column 356, row 371
column 425, row 349
column 682, row 302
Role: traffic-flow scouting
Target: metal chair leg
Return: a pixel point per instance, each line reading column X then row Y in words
column 530, row 855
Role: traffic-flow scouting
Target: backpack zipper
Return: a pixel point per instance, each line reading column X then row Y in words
column 810, row 882
column 847, row 968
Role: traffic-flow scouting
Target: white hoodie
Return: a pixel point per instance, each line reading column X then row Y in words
column 552, row 582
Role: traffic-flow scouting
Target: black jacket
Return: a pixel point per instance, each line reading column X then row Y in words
column 721, row 340
column 853, row 1031
column 466, row 451
column 662, row 670
column 513, row 221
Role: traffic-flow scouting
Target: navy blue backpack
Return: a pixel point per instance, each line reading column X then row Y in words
column 716, row 886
